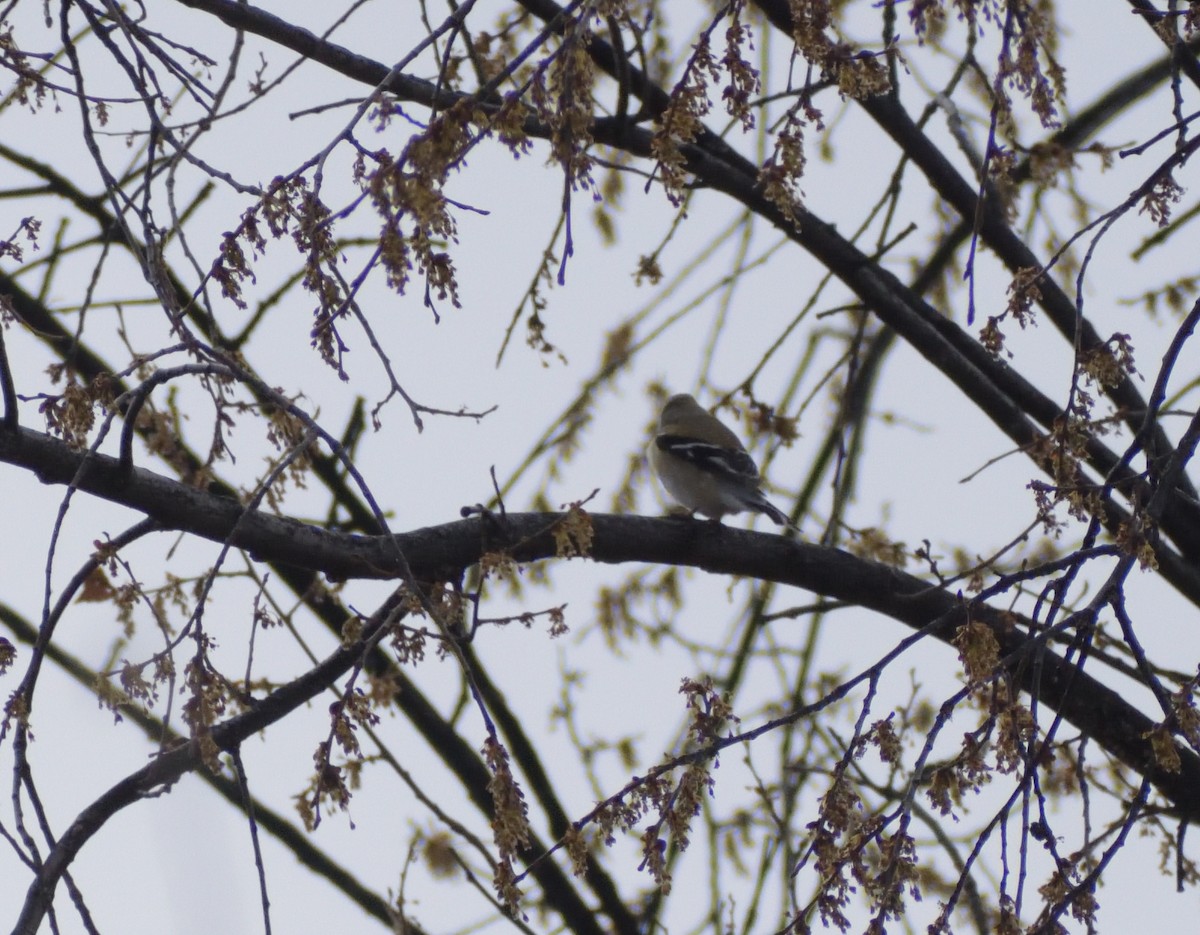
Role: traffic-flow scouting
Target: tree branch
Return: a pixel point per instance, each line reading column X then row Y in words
column 443, row 552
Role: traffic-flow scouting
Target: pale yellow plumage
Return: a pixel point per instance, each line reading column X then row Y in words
column 702, row 464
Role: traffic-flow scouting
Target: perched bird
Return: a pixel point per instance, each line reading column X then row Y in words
column 702, row 464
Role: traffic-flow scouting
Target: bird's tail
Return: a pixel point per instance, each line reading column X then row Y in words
column 765, row 506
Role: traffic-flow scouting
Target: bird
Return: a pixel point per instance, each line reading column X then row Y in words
column 704, row 466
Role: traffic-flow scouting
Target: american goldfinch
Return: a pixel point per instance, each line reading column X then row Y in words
column 702, row 464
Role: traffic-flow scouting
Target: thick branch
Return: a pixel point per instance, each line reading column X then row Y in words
column 443, row 552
